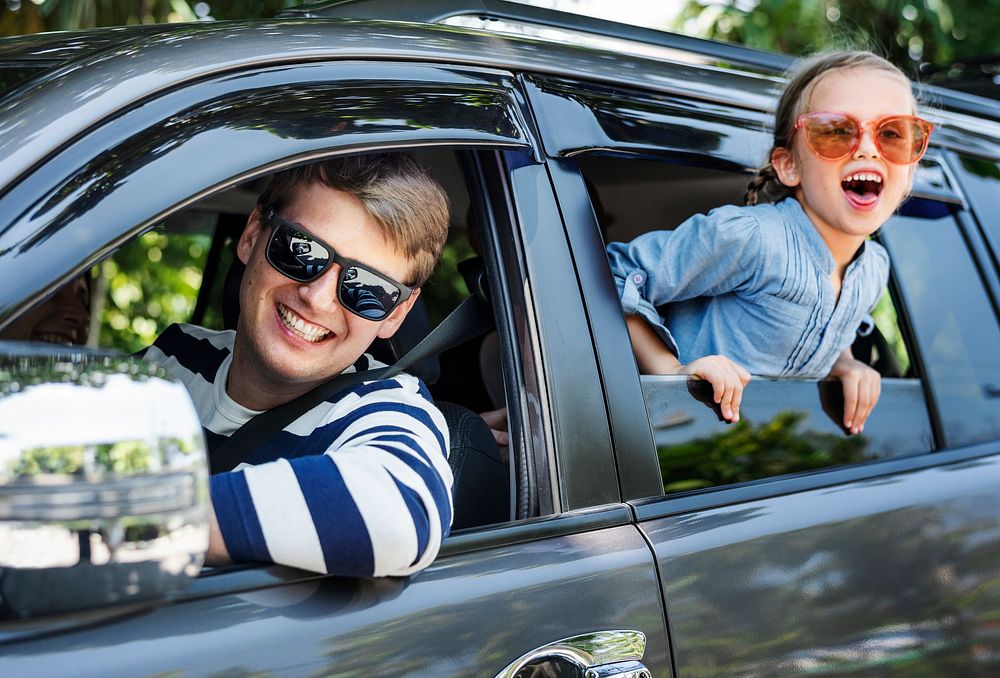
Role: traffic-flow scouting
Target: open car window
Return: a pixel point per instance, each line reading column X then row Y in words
column 787, row 425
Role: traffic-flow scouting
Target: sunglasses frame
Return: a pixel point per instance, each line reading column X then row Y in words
column 273, row 220
column 927, row 127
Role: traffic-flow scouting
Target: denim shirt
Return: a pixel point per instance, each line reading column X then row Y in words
column 752, row 284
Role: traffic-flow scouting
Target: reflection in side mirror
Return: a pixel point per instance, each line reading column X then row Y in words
column 103, row 484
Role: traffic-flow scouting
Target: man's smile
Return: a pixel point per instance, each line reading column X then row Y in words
column 300, row 327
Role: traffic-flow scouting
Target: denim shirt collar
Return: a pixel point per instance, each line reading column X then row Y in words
column 817, row 246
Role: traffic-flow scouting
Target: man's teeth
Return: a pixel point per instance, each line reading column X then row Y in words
column 300, row 327
column 50, row 338
column 865, row 176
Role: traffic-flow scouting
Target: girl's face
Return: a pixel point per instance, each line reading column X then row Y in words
column 853, row 196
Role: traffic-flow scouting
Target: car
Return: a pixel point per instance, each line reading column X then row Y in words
column 634, row 533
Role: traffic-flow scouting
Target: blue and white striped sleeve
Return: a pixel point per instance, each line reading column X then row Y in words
column 374, row 499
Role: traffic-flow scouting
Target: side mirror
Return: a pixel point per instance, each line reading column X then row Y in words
column 103, row 482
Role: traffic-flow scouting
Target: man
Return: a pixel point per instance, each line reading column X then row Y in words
column 359, row 485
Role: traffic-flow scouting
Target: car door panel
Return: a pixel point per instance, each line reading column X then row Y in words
column 866, row 576
column 470, row 614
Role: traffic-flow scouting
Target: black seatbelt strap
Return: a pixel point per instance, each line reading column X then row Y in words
column 470, row 319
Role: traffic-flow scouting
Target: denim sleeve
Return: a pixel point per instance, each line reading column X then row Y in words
column 707, row 255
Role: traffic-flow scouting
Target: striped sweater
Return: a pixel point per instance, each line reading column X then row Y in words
column 359, row 485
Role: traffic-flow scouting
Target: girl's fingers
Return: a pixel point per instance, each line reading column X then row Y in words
column 738, row 398
column 743, row 374
column 734, row 393
column 873, row 389
column 727, row 380
column 851, row 385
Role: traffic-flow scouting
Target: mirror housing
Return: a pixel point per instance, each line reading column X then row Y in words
column 103, row 482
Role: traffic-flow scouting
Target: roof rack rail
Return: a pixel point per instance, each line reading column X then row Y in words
column 439, row 11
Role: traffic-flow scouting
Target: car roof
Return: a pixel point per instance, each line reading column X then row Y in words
column 105, row 71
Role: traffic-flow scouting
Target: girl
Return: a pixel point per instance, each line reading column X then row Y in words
column 781, row 289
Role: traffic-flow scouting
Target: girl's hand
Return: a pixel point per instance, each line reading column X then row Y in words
column 862, row 388
column 727, row 379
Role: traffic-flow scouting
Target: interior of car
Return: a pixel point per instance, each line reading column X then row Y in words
column 185, row 270
column 198, row 281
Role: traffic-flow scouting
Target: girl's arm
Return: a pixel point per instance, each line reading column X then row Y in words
column 653, row 357
column 706, row 256
column 862, row 388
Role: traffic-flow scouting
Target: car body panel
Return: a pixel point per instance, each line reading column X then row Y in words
column 468, row 614
column 876, row 575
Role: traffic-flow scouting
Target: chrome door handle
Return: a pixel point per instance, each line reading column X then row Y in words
column 602, row 654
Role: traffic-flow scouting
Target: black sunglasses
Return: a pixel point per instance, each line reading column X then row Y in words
column 301, row 256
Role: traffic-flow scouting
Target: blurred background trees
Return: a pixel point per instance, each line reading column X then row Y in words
column 909, row 32
column 34, row 16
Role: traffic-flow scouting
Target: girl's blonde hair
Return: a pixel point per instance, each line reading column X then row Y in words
column 802, row 79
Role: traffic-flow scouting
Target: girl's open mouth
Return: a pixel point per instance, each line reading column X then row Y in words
column 862, row 189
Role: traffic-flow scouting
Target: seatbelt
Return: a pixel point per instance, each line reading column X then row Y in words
column 470, row 319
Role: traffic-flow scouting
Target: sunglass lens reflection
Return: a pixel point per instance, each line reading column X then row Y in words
column 367, row 294
column 297, row 255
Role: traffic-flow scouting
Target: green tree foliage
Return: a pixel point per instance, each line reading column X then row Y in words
column 908, row 32
column 32, row 16
column 149, row 284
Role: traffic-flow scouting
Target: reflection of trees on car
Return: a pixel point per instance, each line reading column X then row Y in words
column 819, row 592
column 747, row 451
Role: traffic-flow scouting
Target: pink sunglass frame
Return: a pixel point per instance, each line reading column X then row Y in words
column 924, row 125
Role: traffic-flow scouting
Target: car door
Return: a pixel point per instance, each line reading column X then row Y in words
column 570, row 563
column 784, row 546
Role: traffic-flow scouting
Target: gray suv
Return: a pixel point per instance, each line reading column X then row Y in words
column 627, row 530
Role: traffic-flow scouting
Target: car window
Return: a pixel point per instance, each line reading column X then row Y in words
column 787, row 426
column 953, row 321
column 981, row 182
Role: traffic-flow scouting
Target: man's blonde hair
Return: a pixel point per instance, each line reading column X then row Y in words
column 409, row 206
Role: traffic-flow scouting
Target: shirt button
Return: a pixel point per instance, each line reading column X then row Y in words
column 637, row 278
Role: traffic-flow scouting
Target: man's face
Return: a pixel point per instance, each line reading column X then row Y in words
column 292, row 336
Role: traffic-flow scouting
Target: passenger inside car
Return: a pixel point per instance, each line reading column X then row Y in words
column 63, row 319
column 357, row 484
column 728, row 284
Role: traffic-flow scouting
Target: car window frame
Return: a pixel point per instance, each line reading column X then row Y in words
column 510, row 154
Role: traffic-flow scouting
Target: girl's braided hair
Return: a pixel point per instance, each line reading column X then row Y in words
column 802, row 79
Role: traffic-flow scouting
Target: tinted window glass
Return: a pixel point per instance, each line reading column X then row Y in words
column 981, row 181
column 953, row 322
column 786, row 426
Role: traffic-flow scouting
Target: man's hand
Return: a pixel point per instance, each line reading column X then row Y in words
column 217, row 554
column 862, row 388
column 727, row 379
